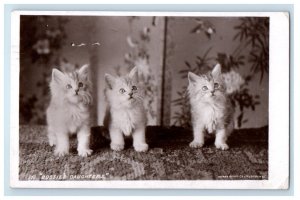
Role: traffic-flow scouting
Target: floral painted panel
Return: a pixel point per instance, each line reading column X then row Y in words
column 240, row 45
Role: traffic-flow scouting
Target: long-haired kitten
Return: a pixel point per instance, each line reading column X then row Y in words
column 125, row 113
column 210, row 108
column 68, row 111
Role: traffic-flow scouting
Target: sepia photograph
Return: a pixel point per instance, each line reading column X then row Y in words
column 142, row 97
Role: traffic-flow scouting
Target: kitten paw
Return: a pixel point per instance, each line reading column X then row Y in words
column 222, row 146
column 52, row 142
column 117, row 147
column 141, row 147
column 84, row 152
column 61, row 152
column 195, row 144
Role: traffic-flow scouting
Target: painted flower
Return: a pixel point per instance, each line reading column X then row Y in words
column 204, row 27
column 130, row 42
column 143, row 67
column 145, row 34
column 128, row 57
column 53, row 33
column 67, row 67
column 210, row 30
column 233, row 81
column 42, row 46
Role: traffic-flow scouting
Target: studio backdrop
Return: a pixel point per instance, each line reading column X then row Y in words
column 164, row 49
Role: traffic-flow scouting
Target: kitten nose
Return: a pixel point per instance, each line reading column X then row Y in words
column 130, row 94
column 76, row 91
column 212, row 92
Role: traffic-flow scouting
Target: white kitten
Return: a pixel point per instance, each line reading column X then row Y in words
column 125, row 113
column 210, row 108
column 68, row 111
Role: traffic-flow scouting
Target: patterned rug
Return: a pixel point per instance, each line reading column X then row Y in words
column 169, row 157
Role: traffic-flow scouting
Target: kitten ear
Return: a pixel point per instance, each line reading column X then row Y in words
column 57, row 76
column 110, row 80
column 192, row 78
column 133, row 74
column 84, row 71
column 217, row 70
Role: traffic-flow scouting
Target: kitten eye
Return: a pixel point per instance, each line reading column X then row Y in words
column 69, row 86
column 122, row 90
column 134, row 87
column 204, row 88
column 80, row 84
column 216, row 85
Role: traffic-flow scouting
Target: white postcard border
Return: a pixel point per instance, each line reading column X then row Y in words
column 278, row 110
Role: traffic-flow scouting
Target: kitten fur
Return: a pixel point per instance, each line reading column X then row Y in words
column 125, row 113
column 68, row 112
column 211, row 109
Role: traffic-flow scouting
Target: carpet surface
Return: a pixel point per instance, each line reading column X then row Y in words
column 169, row 157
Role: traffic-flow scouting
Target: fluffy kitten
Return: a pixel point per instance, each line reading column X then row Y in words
column 125, row 113
column 68, row 111
column 210, row 108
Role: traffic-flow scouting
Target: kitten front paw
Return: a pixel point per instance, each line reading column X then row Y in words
column 51, row 139
column 222, row 146
column 117, row 147
column 61, row 152
column 84, row 152
column 196, row 144
column 52, row 142
column 141, row 147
